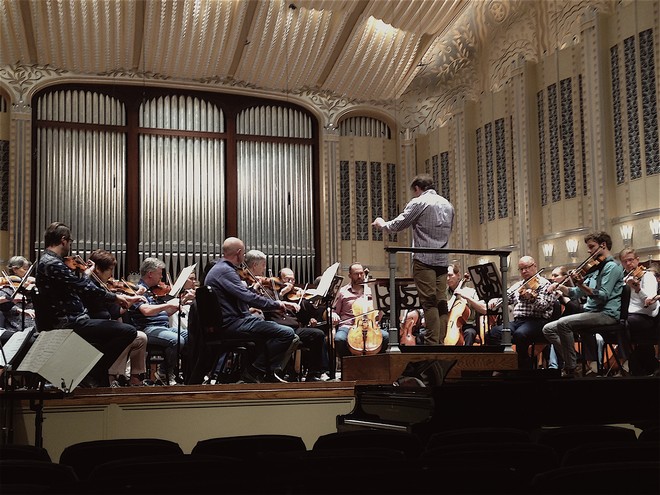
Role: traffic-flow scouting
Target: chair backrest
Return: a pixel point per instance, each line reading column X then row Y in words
column 249, row 446
column 85, row 456
column 625, row 302
column 209, row 312
column 566, row 437
column 25, row 452
column 405, row 442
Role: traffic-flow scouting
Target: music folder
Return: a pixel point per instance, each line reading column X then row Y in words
column 62, row 357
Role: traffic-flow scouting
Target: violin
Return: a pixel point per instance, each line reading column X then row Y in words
column 589, row 265
column 10, row 281
column 122, row 286
column 410, row 323
column 76, row 263
column 364, row 337
column 635, row 274
column 533, row 284
column 161, row 290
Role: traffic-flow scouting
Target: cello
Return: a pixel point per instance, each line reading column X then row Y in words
column 459, row 312
column 364, row 337
column 410, row 323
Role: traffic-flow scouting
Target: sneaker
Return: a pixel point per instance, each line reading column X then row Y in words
column 313, row 377
column 163, row 378
column 251, row 375
column 115, row 384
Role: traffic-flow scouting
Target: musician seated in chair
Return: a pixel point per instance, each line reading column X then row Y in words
column 533, row 302
column 344, row 311
column 460, row 297
column 600, row 279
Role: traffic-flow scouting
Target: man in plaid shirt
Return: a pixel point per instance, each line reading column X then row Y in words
column 533, row 304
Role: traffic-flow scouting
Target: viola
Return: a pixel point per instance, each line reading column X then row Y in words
column 364, row 337
column 410, row 323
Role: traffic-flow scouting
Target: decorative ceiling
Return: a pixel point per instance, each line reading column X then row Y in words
column 356, row 49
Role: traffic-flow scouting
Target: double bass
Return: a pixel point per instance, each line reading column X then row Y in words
column 364, row 337
column 459, row 312
column 410, row 323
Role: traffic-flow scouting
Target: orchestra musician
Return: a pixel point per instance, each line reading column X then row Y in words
column 476, row 306
column 60, row 304
column 235, row 299
column 431, row 217
column 343, row 309
column 533, row 304
column 19, row 312
column 135, row 354
column 602, row 285
column 152, row 316
column 186, row 298
column 642, row 319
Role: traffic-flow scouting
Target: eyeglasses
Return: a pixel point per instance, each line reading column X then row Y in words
column 521, row 268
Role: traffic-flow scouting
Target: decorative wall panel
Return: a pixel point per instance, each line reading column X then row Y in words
column 490, row 172
column 632, row 108
column 480, row 176
column 4, row 185
column 567, row 138
column 500, row 157
column 649, row 102
column 376, row 180
column 583, row 141
column 553, row 128
column 435, row 167
column 444, row 175
column 392, row 204
column 361, row 201
column 542, row 151
column 618, row 121
column 345, row 199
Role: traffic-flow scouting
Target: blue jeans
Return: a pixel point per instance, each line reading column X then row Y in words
column 277, row 340
column 167, row 338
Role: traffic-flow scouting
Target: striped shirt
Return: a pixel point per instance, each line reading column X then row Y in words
column 431, row 217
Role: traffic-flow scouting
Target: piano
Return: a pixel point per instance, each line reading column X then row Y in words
column 520, row 401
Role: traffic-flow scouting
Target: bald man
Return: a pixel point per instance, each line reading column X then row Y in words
column 532, row 309
column 235, row 299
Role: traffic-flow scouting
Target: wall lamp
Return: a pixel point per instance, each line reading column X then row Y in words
column 548, row 249
column 572, row 248
column 626, row 234
column 655, row 229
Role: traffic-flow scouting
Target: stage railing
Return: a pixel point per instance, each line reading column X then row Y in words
column 392, row 252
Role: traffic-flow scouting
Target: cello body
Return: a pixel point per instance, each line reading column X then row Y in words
column 364, row 337
column 410, row 323
column 459, row 312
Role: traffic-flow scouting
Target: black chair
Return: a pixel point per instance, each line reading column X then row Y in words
column 615, row 334
column 249, row 446
column 24, row 452
column 564, row 438
column 593, row 453
column 207, row 345
column 477, row 435
column 29, row 476
column 612, row 477
column 85, row 456
column 405, row 442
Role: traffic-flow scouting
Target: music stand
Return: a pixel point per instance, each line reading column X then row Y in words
column 488, row 284
column 327, row 290
column 175, row 291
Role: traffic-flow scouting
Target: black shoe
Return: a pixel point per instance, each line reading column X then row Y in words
column 274, row 378
column 313, row 377
column 252, row 375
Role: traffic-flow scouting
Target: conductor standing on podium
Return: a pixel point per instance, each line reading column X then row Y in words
column 431, row 217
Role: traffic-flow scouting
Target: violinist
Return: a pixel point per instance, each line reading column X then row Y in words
column 19, row 312
column 602, row 283
column 60, row 304
column 135, row 354
column 642, row 319
column 533, row 302
column 469, row 295
column 343, row 315
column 153, row 318
column 186, row 298
column 235, row 299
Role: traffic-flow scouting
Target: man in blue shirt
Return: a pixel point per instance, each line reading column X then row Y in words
column 602, row 287
column 431, row 217
column 235, row 299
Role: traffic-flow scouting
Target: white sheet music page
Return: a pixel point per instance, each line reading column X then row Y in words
column 12, row 346
column 181, row 280
column 326, row 280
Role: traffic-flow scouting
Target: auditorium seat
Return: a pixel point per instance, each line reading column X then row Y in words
column 85, row 456
column 477, row 434
column 25, row 452
column 249, row 446
column 30, row 476
column 592, row 453
column 405, row 442
column 564, row 438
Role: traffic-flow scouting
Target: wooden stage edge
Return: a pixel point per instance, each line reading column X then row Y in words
column 380, row 369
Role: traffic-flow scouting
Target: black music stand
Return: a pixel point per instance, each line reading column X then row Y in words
column 488, row 284
column 328, row 300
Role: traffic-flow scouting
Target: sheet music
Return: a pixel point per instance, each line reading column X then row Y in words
column 12, row 346
column 62, row 357
column 326, row 280
column 181, row 280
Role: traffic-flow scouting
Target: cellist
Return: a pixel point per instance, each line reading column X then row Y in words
column 343, row 315
column 468, row 296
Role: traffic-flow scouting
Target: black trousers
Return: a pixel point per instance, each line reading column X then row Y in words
column 108, row 336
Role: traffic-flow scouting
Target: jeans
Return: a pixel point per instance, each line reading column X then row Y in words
column 277, row 340
column 431, row 282
column 524, row 332
column 560, row 333
column 168, row 338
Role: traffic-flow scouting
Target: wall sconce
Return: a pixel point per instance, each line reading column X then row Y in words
column 626, row 234
column 655, row 229
column 482, row 261
column 548, row 249
column 572, row 247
